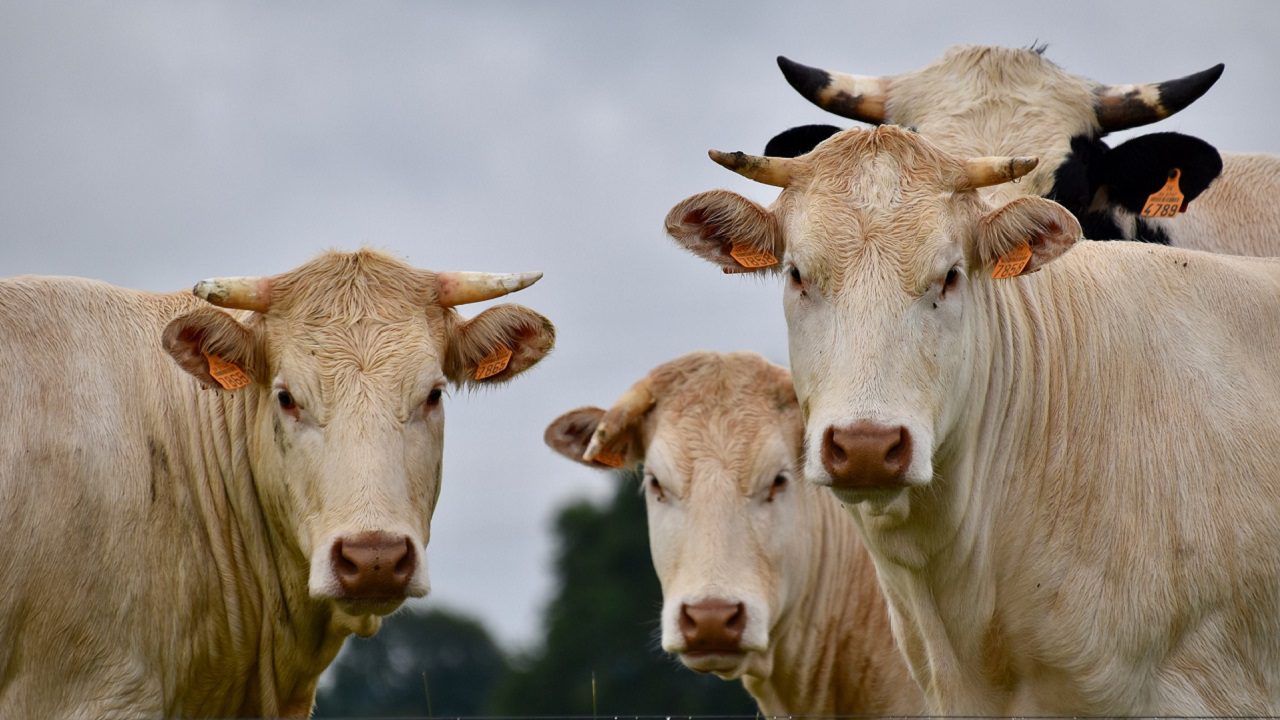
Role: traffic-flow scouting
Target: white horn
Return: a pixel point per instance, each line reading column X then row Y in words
column 460, row 288
column 239, row 293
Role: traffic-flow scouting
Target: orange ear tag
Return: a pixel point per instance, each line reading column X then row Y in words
column 749, row 258
column 609, row 458
column 1167, row 201
column 228, row 375
column 494, row 363
column 1011, row 263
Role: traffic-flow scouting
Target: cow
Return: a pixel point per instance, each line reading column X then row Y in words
column 979, row 101
column 763, row 578
column 202, row 494
column 1062, row 457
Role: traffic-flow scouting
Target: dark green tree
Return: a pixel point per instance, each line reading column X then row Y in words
column 603, row 621
column 419, row 664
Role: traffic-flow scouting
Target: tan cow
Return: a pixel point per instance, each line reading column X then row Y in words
column 977, row 101
column 1068, row 480
column 197, row 539
column 763, row 578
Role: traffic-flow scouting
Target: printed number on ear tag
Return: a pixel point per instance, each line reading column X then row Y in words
column 229, row 375
column 1011, row 263
column 750, row 258
column 494, row 363
column 1167, row 201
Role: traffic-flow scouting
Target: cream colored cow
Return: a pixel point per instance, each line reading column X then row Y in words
column 1068, row 479
column 763, row 577
column 977, row 101
column 197, row 539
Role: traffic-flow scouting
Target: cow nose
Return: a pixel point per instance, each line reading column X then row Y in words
column 865, row 456
column 373, row 565
column 713, row 626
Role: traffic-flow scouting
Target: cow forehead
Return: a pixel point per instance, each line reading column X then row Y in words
column 978, row 101
column 876, row 201
column 723, row 416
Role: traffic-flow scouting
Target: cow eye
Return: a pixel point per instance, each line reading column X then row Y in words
column 433, row 397
column 287, row 403
column 949, row 282
column 779, row 484
column 655, row 487
column 796, row 278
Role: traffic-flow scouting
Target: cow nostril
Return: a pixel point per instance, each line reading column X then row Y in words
column 341, row 563
column 738, row 620
column 835, row 452
column 404, row 566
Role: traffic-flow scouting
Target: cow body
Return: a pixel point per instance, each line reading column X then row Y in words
column 1066, row 476
column 764, row 579
column 157, row 564
column 992, row 101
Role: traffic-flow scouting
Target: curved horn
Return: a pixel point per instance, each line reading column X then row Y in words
column 629, row 408
column 859, row 97
column 768, row 170
column 1120, row 107
column 984, row 171
column 460, row 288
column 239, row 293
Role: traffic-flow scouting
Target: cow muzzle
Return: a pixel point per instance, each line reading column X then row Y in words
column 373, row 566
column 712, row 627
column 866, row 456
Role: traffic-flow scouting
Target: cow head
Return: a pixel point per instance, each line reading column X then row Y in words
column 341, row 367
column 719, row 438
column 888, row 254
column 978, row 101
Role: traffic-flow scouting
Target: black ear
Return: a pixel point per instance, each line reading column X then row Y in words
column 1133, row 170
column 1076, row 179
column 798, row 140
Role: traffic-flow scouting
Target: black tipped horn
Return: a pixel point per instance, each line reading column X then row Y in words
column 858, row 97
column 1121, row 107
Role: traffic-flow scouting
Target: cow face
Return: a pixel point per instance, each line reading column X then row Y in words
column 342, row 371
column 979, row 101
column 888, row 254
column 719, row 438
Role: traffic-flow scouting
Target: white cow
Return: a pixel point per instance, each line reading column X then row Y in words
column 977, row 101
column 197, row 538
column 763, row 578
column 1068, row 480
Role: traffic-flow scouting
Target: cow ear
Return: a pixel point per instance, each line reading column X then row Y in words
column 571, row 433
column 215, row 349
column 498, row 344
column 1022, row 236
column 1133, row 170
column 728, row 230
column 798, row 140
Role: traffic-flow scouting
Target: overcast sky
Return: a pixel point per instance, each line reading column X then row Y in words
column 154, row 144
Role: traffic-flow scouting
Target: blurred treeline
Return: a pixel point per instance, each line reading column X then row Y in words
column 602, row 623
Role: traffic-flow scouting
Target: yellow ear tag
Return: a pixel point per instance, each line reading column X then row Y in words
column 750, row 258
column 609, row 458
column 494, row 363
column 1167, row 201
column 1011, row 263
column 228, row 375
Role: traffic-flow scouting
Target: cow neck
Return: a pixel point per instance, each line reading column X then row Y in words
column 274, row 624
column 834, row 653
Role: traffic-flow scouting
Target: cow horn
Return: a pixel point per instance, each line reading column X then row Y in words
column 984, row 171
column 858, row 97
column 768, row 170
column 238, row 293
column 1120, row 107
column 460, row 288
column 629, row 408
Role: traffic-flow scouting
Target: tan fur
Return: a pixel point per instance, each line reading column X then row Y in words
column 722, row 427
column 977, row 100
column 1093, row 502
column 160, row 535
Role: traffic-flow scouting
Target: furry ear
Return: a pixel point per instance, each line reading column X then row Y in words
column 1133, row 170
column 728, row 230
column 571, row 433
column 799, row 140
column 1046, row 228
column 215, row 349
column 498, row 344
